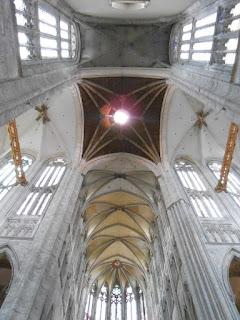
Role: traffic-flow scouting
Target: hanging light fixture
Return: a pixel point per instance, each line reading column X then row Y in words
column 129, row 4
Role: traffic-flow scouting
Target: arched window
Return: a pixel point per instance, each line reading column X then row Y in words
column 116, row 303
column 8, row 174
column 5, row 276
column 131, row 304
column 43, row 189
column 89, row 305
column 102, row 304
column 234, row 279
column 55, row 37
column 200, row 197
column 233, row 185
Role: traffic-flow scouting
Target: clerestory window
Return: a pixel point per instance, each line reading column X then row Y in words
column 116, row 303
column 102, row 303
column 131, row 304
column 8, row 174
column 233, row 185
column 42, row 190
column 89, row 305
column 212, row 39
column 197, row 39
column 43, row 32
column 200, row 197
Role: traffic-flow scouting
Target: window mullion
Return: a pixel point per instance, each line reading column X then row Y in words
column 235, row 75
column 192, row 39
column 36, row 36
column 214, row 40
column 58, row 36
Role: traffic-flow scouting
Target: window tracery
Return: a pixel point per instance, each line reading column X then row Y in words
column 42, row 190
column 201, row 199
column 116, row 303
column 233, row 186
column 227, row 42
column 43, row 33
column 212, row 39
column 197, row 39
column 8, row 175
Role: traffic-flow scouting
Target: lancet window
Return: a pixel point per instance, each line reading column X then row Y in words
column 200, row 197
column 118, row 304
column 143, row 310
column 5, row 276
column 43, row 33
column 233, row 185
column 102, row 303
column 89, row 305
column 8, row 174
column 234, row 280
column 42, row 190
column 131, row 304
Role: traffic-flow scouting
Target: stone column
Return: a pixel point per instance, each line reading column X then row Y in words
column 9, row 57
column 209, row 297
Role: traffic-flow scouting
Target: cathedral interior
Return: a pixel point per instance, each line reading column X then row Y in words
column 119, row 160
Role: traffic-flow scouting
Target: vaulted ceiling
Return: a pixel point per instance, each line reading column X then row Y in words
column 141, row 97
column 119, row 238
column 118, row 224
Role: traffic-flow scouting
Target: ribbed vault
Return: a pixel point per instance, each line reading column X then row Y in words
column 118, row 221
column 141, row 97
column 118, row 238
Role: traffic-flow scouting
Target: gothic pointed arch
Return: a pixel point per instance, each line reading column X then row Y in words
column 6, row 274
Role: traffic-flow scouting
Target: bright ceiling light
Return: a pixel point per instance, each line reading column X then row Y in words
column 129, row 4
column 121, row 117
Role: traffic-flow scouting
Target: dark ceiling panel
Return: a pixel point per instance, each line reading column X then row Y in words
column 141, row 97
